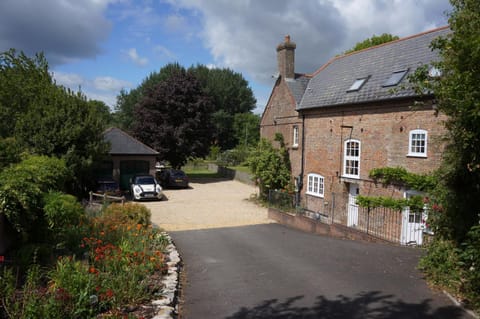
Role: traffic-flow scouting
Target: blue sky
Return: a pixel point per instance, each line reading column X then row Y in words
column 103, row 46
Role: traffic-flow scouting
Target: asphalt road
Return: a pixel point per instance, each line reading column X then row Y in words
column 269, row 271
column 252, row 269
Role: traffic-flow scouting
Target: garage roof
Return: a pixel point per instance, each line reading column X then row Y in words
column 124, row 144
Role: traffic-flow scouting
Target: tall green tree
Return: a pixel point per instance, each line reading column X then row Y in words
column 47, row 119
column 231, row 95
column 174, row 117
column 123, row 116
column 373, row 41
column 22, row 80
column 229, row 92
column 246, row 129
column 458, row 93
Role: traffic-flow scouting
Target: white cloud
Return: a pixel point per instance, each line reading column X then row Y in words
column 102, row 88
column 138, row 60
column 71, row 80
column 107, row 83
column 164, row 52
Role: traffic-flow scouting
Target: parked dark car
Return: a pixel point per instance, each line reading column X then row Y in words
column 108, row 186
column 173, row 178
column 145, row 187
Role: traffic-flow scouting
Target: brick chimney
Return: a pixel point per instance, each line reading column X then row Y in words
column 286, row 58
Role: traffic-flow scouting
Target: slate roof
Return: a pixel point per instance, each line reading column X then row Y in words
column 124, row 144
column 329, row 85
column 297, row 86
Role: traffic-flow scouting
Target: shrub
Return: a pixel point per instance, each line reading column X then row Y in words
column 63, row 214
column 470, row 260
column 22, row 187
column 128, row 213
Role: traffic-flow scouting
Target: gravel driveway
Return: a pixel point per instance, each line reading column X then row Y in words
column 208, row 204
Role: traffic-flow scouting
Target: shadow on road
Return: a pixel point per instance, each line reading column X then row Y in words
column 364, row 305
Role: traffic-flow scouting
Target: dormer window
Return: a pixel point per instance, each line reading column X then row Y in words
column 395, row 78
column 357, row 85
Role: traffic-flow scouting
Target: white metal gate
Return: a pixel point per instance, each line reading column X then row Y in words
column 353, row 206
column 413, row 224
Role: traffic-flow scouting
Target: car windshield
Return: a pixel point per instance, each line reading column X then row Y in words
column 176, row 173
column 144, row 180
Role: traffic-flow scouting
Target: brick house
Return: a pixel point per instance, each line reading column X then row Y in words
column 353, row 114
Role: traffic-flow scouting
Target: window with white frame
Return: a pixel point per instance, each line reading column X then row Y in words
column 315, row 185
column 351, row 159
column 295, row 136
column 417, row 144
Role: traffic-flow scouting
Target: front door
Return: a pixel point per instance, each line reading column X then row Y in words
column 353, row 206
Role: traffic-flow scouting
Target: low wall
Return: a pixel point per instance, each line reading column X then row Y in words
column 232, row 174
column 312, row 226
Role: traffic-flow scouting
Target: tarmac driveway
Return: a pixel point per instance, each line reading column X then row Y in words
column 239, row 265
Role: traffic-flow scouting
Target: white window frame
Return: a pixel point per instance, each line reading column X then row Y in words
column 351, row 158
column 315, row 185
column 412, row 138
column 295, row 136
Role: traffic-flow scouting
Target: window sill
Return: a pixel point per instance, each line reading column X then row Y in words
column 417, row 155
column 315, row 195
column 349, row 179
column 294, row 147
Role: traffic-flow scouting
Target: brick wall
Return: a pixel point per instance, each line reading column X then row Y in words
column 383, row 131
column 280, row 116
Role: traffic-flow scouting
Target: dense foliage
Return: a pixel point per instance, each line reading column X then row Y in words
column 173, row 117
column 453, row 258
column 22, row 187
column 107, row 273
column 373, row 41
column 46, row 119
column 400, row 176
column 229, row 93
column 270, row 166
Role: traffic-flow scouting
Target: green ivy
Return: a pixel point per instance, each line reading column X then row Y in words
column 400, row 176
column 415, row 202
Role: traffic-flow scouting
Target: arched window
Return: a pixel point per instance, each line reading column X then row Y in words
column 351, row 159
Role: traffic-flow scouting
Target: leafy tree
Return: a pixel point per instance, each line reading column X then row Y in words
column 173, row 117
column 231, row 95
column 10, row 152
column 246, row 129
column 126, row 101
column 46, row 119
column 228, row 90
column 22, row 80
column 270, row 166
column 63, row 124
column 373, row 41
column 458, row 96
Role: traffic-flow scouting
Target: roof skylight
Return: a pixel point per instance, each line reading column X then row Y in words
column 395, row 78
column 357, row 85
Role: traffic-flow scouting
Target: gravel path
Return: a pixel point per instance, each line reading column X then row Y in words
column 208, row 204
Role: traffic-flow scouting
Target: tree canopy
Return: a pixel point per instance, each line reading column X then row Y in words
column 46, row 119
column 173, row 117
column 228, row 90
column 458, row 95
column 373, row 41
